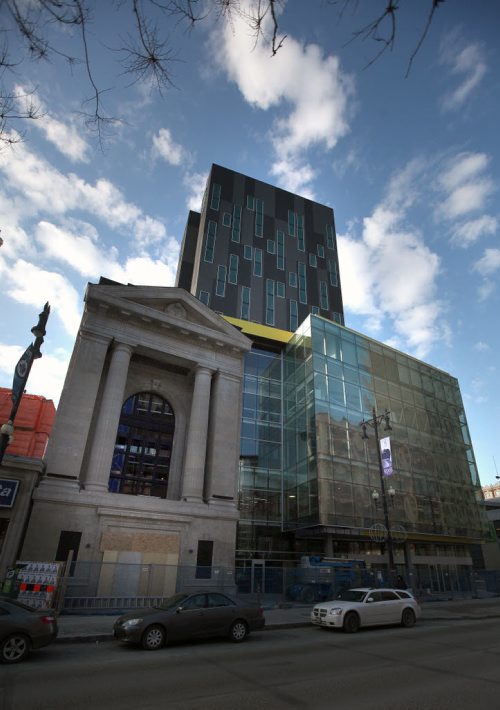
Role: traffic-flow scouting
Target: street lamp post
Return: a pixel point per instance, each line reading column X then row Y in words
column 21, row 374
column 374, row 423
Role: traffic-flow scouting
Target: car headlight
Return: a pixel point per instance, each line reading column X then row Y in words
column 336, row 611
column 130, row 623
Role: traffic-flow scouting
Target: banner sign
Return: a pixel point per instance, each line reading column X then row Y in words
column 8, row 492
column 21, row 374
column 386, row 455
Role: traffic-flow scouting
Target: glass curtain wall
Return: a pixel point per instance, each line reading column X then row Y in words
column 334, row 378
column 261, row 445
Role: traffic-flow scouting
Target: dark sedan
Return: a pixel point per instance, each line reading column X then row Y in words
column 187, row 616
column 23, row 628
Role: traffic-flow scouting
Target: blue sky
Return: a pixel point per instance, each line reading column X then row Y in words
column 410, row 165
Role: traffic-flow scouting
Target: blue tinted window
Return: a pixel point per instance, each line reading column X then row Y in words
column 247, row 252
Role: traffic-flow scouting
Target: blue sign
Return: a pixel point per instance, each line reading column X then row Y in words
column 8, row 492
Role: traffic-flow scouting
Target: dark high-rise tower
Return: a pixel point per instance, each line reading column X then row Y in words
column 261, row 254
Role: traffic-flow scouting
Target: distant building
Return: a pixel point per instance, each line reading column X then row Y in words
column 21, row 468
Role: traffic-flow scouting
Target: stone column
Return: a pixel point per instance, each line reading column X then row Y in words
column 108, row 418
column 69, row 434
column 222, row 474
column 194, row 467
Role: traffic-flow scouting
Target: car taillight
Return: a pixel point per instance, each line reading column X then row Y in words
column 48, row 619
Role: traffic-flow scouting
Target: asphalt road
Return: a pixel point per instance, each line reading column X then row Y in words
column 436, row 665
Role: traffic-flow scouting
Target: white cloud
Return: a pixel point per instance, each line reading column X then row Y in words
column 47, row 374
column 470, row 231
column 467, row 63
column 488, row 263
column 464, row 184
column 308, row 91
column 195, row 183
column 83, row 253
column 145, row 271
column 28, row 283
column 50, row 192
column 294, row 175
column 389, row 273
column 481, row 346
column 64, row 136
column 165, row 147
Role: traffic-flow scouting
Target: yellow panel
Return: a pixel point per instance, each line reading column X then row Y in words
column 262, row 331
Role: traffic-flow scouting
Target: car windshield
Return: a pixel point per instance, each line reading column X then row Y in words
column 172, row 602
column 351, row 595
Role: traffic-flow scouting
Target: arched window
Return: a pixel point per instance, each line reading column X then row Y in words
column 141, row 461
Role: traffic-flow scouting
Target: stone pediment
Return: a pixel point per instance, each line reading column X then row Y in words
column 163, row 304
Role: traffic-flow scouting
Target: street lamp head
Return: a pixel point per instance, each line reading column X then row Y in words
column 38, row 330
column 364, row 435
column 387, row 426
column 391, row 492
column 375, row 497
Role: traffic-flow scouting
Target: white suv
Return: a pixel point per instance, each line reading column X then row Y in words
column 367, row 607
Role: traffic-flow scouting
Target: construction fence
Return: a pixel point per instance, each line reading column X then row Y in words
column 94, row 587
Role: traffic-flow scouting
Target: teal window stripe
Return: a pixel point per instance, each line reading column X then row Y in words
column 215, row 200
column 293, row 316
column 220, row 288
column 232, row 276
column 236, row 231
column 257, row 262
column 301, row 244
column 323, row 294
column 245, row 303
column 301, row 267
column 269, row 302
column 210, row 241
column 280, row 250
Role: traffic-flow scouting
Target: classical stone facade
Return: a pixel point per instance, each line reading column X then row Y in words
column 138, row 339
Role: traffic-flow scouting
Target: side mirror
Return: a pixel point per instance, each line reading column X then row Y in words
column 370, row 600
column 178, row 610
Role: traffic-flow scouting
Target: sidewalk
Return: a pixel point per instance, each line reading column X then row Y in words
column 74, row 628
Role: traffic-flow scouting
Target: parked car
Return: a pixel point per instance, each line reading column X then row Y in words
column 22, row 629
column 187, row 616
column 367, row 607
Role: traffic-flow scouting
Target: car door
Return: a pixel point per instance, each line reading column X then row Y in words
column 189, row 621
column 393, row 606
column 373, row 609
column 220, row 613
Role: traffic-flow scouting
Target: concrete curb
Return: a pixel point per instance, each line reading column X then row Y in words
column 97, row 637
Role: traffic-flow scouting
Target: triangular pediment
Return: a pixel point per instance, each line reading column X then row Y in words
column 163, row 304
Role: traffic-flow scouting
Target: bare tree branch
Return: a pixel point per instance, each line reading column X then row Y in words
column 146, row 54
column 434, row 7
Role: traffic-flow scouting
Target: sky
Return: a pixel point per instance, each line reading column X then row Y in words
column 409, row 161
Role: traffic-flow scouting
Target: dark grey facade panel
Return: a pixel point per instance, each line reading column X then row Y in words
column 234, row 190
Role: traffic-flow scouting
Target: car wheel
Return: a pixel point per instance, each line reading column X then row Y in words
column 14, row 648
column 238, row 631
column 408, row 618
column 154, row 638
column 351, row 623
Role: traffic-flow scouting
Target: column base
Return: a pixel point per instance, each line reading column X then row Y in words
column 96, row 487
